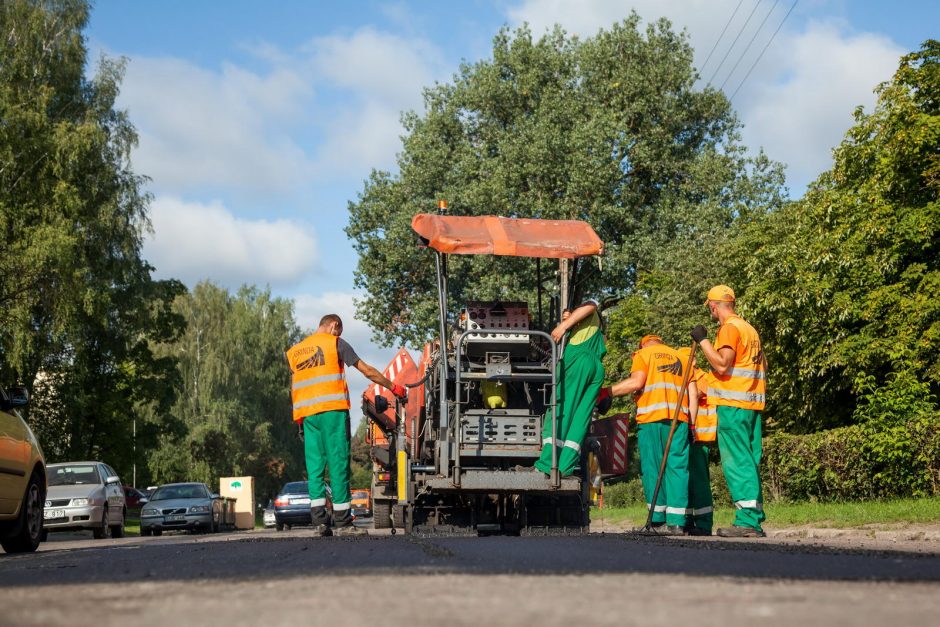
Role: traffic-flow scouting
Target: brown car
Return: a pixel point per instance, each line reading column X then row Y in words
column 22, row 477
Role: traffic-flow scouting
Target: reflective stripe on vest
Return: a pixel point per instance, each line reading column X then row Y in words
column 660, row 396
column 745, row 385
column 318, row 384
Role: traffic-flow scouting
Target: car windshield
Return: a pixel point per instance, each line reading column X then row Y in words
column 168, row 492
column 73, row 474
column 295, row 487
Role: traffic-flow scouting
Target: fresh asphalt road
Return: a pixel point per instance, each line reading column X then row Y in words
column 270, row 578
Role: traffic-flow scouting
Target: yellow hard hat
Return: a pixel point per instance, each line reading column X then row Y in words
column 721, row 293
column 648, row 338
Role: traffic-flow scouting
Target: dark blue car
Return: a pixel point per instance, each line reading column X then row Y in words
column 292, row 505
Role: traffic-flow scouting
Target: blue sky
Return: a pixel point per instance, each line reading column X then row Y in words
column 259, row 121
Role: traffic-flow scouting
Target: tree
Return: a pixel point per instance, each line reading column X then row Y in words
column 233, row 406
column 842, row 284
column 609, row 130
column 78, row 308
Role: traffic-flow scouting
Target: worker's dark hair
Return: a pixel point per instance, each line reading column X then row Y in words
column 328, row 318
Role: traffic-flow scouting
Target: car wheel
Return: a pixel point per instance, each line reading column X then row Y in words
column 145, row 531
column 117, row 531
column 157, row 532
column 288, row 527
column 279, row 526
column 27, row 531
column 102, row 531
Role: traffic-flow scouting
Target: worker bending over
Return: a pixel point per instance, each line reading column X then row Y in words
column 580, row 377
column 320, row 399
column 657, row 374
column 703, row 431
column 738, row 392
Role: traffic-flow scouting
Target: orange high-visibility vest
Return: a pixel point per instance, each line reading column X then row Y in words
column 745, row 386
column 706, row 421
column 317, row 380
column 660, row 394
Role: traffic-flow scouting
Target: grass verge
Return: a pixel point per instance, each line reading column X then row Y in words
column 823, row 515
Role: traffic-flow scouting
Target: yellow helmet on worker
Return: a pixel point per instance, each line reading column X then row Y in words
column 721, row 294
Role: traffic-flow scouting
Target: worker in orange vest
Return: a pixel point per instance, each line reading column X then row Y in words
column 738, row 392
column 703, row 431
column 320, row 400
column 657, row 374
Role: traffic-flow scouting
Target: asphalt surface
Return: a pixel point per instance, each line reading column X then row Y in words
column 265, row 577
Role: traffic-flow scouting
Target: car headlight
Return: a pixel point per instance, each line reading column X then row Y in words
column 199, row 509
column 80, row 502
column 149, row 511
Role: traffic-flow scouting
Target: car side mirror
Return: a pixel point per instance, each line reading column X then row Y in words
column 143, row 500
column 381, row 404
column 214, row 495
column 112, row 480
column 19, row 396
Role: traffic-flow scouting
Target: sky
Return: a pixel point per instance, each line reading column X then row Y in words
column 260, row 121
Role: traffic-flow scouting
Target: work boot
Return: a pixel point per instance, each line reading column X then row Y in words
column 736, row 531
column 672, row 530
column 698, row 531
column 349, row 530
column 322, row 530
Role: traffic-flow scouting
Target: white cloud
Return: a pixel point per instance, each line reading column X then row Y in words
column 200, row 128
column 382, row 75
column 798, row 102
column 309, row 308
column 195, row 241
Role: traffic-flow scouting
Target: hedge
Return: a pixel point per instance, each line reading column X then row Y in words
column 860, row 462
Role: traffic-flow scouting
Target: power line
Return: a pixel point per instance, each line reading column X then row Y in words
column 748, row 47
column 733, row 43
column 744, row 80
column 717, row 41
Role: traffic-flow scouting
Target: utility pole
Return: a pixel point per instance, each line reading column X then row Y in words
column 134, row 483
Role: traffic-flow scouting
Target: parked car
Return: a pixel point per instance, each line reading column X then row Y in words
column 267, row 516
column 361, row 503
column 187, row 506
column 134, row 497
column 22, row 477
column 292, row 505
column 84, row 495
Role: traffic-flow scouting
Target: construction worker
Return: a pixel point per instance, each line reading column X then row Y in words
column 738, row 390
column 581, row 375
column 657, row 374
column 320, row 400
column 703, row 431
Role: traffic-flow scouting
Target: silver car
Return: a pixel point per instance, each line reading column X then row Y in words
column 84, row 495
column 189, row 506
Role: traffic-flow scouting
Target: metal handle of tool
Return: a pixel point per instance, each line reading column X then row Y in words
column 672, row 429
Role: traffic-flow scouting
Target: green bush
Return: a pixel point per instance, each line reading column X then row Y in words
column 624, row 493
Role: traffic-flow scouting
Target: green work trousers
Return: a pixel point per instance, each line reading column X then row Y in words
column 673, row 498
column 739, row 441
column 700, row 489
column 580, row 379
column 326, row 443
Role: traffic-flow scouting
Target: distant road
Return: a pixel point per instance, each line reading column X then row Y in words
column 270, row 578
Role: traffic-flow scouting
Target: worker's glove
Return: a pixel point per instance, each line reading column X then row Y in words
column 400, row 392
column 604, row 401
column 300, row 431
column 699, row 333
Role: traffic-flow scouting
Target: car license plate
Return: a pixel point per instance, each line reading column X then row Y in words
column 174, row 518
column 53, row 513
column 305, row 501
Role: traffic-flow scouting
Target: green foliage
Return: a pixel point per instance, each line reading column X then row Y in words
column 902, row 398
column 842, row 284
column 609, row 130
column 624, row 493
column 233, row 412
column 78, row 309
column 865, row 461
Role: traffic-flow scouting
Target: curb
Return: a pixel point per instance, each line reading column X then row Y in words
column 849, row 534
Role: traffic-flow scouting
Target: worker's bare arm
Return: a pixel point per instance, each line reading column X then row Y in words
column 721, row 360
column 693, row 401
column 631, row 384
column 574, row 318
column 372, row 374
